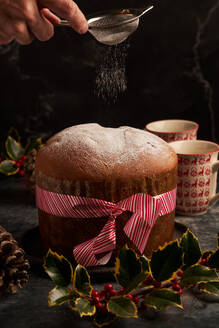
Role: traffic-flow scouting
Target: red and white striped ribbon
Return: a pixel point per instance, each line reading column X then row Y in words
column 144, row 207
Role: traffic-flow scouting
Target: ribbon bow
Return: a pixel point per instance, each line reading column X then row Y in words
column 145, row 209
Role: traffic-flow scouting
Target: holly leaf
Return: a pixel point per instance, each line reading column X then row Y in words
column 211, row 287
column 103, row 319
column 81, row 281
column 129, row 269
column 197, row 274
column 14, row 149
column 8, row 167
column 122, row 307
column 58, row 296
column 161, row 298
column 71, row 300
column 34, row 144
column 213, row 261
column 58, row 268
column 166, row 261
column 14, row 134
column 191, row 249
column 84, row 307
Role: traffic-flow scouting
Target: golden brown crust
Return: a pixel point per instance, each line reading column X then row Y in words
column 91, row 152
column 110, row 190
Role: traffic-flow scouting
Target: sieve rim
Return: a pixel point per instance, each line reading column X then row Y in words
column 136, row 13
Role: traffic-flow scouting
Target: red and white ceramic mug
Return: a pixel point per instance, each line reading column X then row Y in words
column 197, row 175
column 172, row 130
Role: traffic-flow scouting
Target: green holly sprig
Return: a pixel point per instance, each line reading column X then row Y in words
column 13, row 154
column 157, row 282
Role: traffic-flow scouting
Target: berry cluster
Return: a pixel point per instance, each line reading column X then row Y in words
column 174, row 283
column 204, row 261
column 175, row 280
column 99, row 299
column 20, row 165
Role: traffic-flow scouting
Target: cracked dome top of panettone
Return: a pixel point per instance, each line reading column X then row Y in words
column 92, row 152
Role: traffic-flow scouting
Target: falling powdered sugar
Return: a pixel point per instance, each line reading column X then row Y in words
column 111, row 74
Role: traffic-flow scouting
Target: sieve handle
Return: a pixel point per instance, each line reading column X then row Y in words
column 66, row 23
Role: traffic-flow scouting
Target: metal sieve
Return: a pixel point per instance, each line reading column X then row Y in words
column 114, row 26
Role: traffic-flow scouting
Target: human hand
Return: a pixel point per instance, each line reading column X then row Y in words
column 24, row 20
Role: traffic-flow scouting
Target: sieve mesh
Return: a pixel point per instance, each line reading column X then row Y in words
column 114, row 34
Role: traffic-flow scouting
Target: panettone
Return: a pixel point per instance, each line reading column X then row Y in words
column 106, row 163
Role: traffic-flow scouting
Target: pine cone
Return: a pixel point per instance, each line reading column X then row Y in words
column 13, row 264
column 29, row 170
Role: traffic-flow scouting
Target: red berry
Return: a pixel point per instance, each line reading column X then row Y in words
column 176, row 287
column 103, row 294
column 135, row 299
column 120, row 292
column 102, row 307
column 108, row 287
column 95, row 293
column 174, row 280
column 113, row 293
column 18, row 164
column 99, row 305
column 24, row 157
column 130, row 296
column 180, row 273
column 148, row 280
column 21, row 172
column 203, row 261
column 96, row 299
column 106, row 295
column 180, row 291
column 157, row 284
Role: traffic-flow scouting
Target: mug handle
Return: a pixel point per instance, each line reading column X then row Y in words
column 215, row 198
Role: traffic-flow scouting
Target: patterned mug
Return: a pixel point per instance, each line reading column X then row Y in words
column 197, row 176
column 172, row 130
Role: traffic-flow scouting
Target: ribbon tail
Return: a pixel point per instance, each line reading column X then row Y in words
column 138, row 231
column 139, row 226
column 105, row 242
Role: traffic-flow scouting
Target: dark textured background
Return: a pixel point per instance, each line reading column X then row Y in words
column 172, row 71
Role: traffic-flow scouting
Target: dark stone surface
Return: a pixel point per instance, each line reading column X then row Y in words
column 29, row 307
column 172, row 71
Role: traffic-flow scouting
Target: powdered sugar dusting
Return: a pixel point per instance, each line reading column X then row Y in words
column 111, row 146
